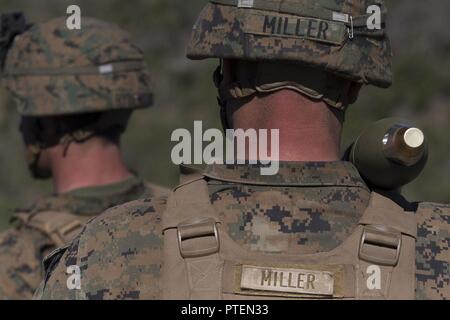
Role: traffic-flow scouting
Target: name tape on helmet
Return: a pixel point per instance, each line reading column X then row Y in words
column 290, row 26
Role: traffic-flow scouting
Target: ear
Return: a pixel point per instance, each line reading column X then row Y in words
column 353, row 92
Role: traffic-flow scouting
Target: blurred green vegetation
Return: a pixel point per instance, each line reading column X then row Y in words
column 185, row 92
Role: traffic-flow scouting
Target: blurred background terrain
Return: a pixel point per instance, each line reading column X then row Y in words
column 184, row 90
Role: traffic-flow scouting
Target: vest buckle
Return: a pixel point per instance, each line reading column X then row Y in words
column 198, row 237
column 380, row 245
column 66, row 233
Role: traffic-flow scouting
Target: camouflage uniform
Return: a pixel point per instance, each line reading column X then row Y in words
column 54, row 73
column 306, row 208
column 53, row 222
column 307, row 211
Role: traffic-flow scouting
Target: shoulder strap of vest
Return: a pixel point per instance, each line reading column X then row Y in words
column 192, row 195
column 59, row 227
column 382, row 210
column 386, row 228
column 387, row 239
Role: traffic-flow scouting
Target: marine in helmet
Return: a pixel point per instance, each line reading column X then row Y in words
column 75, row 91
column 315, row 229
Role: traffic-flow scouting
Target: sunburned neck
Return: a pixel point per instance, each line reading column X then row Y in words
column 309, row 130
column 90, row 164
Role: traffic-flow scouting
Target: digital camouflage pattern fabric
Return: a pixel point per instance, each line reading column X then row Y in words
column 306, row 208
column 51, row 70
column 330, row 35
column 52, row 222
column 433, row 251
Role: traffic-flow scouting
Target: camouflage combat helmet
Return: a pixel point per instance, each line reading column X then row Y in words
column 330, row 35
column 72, row 85
column 51, row 70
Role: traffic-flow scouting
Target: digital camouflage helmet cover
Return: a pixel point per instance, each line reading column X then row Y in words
column 51, row 70
column 316, row 35
column 71, row 85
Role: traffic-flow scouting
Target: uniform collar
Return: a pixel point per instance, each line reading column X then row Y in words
column 309, row 174
column 92, row 200
column 108, row 190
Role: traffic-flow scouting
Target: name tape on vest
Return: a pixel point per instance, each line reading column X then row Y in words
column 286, row 280
column 290, row 26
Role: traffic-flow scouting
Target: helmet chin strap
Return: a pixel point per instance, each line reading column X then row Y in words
column 34, row 152
column 33, row 155
column 78, row 136
column 221, row 101
column 37, row 139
